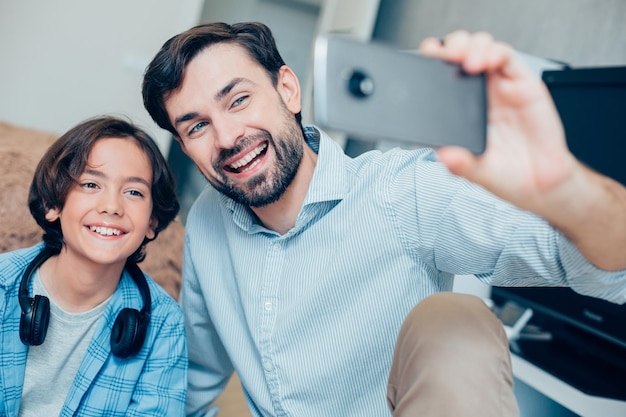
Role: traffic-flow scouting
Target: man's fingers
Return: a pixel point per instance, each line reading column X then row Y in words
column 451, row 49
column 431, row 47
column 459, row 161
column 477, row 52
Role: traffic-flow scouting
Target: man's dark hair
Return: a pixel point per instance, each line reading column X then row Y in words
column 165, row 73
column 65, row 160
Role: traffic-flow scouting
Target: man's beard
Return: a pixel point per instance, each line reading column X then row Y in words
column 265, row 188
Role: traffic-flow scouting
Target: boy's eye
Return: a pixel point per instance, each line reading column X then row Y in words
column 135, row 193
column 89, row 185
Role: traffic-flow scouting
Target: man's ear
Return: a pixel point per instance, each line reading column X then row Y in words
column 52, row 215
column 289, row 88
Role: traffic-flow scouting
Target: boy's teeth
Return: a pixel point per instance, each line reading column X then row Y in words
column 105, row 231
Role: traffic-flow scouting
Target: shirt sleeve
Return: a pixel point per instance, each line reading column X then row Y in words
column 209, row 365
column 459, row 227
column 588, row 279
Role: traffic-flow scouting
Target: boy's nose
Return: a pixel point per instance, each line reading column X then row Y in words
column 110, row 204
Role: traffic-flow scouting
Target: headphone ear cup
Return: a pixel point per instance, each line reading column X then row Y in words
column 34, row 321
column 128, row 333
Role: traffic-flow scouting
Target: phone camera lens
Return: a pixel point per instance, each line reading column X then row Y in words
column 360, row 85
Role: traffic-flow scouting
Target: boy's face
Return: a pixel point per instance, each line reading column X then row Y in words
column 107, row 214
column 238, row 128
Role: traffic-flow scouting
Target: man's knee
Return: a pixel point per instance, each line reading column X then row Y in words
column 450, row 334
column 448, row 316
column 451, row 350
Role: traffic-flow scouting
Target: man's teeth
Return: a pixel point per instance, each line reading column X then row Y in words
column 105, row 231
column 249, row 157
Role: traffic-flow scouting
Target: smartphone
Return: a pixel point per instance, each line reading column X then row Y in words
column 373, row 91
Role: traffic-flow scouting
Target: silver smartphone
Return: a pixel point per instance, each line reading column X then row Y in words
column 373, row 91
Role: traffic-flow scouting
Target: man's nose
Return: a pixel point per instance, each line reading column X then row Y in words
column 228, row 130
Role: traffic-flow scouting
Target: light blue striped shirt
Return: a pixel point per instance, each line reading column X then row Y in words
column 309, row 319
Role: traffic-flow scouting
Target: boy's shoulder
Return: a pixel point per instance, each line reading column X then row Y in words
column 14, row 262
column 22, row 253
column 161, row 298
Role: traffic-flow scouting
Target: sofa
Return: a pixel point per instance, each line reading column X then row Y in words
column 20, row 151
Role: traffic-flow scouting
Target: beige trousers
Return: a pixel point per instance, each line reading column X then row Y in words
column 452, row 359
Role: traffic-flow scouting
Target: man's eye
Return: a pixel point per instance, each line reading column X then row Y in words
column 197, row 127
column 239, row 101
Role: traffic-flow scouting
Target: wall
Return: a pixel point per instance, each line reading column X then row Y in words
column 66, row 60
column 293, row 24
column 579, row 32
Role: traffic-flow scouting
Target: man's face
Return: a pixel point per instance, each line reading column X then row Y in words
column 238, row 128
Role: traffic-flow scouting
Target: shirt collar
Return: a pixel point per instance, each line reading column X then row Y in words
column 328, row 182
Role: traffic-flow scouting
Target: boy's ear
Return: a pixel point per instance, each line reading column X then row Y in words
column 52, row 215
column 151, row 232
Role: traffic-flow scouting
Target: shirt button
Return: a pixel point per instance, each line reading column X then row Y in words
column 268, row 305
column 267, row 365
column 276, row 247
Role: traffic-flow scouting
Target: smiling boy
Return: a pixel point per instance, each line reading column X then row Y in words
column 84, row 331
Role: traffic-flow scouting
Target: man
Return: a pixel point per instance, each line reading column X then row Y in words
column 301, row 264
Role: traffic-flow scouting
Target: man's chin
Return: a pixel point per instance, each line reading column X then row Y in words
column 258, row 200
column 251, row 197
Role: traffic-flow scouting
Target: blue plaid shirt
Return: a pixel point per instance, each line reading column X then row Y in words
column 309, row 319
column 152, row 383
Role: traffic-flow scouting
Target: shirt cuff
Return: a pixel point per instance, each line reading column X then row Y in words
column 587, row 279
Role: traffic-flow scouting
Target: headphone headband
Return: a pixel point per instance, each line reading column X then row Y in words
column 140, row 280
column 41, row 257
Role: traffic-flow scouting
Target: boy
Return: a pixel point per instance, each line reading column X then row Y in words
column 84, row 332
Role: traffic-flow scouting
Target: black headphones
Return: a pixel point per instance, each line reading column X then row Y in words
column 130, row 326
